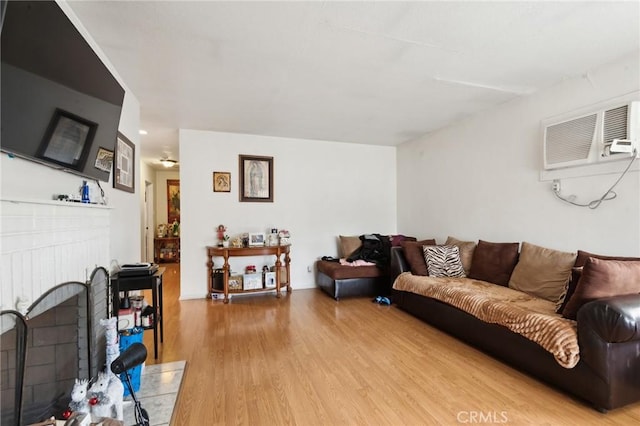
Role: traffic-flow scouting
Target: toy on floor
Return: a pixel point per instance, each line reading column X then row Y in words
column 381, row 300
column 106, row 397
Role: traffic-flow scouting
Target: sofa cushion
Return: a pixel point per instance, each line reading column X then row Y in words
column 584, row 255
column 603, row 278
column 396, row 240
column 542, row 272
column 576, row 271
column 415, row 256
column 569, row 289
column 337, row 271
column 443, row 261
column 349, row 244
column 466, row 251
column 494, row 262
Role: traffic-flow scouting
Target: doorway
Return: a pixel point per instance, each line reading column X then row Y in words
column 149, row 225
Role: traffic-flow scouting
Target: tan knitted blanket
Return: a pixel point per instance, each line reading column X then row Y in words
column 527, row 315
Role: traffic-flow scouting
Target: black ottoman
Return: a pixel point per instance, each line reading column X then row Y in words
column 343, row 281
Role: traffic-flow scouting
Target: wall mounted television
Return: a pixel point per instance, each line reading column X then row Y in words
column 60, row 104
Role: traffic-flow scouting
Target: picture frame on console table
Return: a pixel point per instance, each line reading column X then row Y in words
column 124, row 166
column 256, row 178
column 256, row 239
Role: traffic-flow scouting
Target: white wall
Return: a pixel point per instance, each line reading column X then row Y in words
column 321, row 190
column 479, row 178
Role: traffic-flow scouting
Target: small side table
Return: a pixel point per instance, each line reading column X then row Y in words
column 144, row 282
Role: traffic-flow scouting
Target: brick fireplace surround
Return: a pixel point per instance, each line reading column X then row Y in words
column 45, row 244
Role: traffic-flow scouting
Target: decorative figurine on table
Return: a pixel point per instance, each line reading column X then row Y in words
column 221, row 230
column 284, row 237
column 273, row 239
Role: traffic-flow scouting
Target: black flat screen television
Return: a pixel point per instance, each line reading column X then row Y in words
column 60, row 104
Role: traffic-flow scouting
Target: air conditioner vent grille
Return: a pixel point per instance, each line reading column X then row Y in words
column 615, row 124
column 570, row 140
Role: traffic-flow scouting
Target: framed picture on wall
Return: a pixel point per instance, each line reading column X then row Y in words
column 124, row 166
column 68, row 140
column 173, row 200
column 104, row 160
column 221, row 182
column 256, row 179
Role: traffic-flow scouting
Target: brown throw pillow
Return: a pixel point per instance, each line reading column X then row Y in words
column 415, row 256
column 584, row 255
column 577, row 271
column 542, row 272
column 571, row 288
column 466, row 251
column 494, row 262
column 603, row 278
column 396, row 240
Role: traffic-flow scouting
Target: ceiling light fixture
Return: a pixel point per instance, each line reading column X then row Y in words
column 168, row 163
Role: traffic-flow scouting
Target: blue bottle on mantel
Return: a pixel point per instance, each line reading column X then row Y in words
column 85, row 192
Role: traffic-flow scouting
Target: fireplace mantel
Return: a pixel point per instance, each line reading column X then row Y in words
column 53, row 203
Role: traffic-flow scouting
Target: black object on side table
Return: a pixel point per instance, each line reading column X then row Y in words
column 151, row 282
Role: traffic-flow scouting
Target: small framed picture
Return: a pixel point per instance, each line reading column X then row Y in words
column 221, row 182
column 104, row 160
column 256, row 239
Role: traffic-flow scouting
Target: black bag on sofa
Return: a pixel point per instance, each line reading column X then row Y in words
column 375, row 248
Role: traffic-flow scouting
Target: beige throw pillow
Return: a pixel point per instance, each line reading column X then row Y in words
column 466, row 251
column 349, row 244
column 542, row 272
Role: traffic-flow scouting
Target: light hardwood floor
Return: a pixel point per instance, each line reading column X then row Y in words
column 306, row 359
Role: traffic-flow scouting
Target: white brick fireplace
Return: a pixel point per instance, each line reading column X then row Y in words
column 45, row 243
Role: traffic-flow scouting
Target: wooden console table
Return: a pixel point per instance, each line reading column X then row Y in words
column 227, row 252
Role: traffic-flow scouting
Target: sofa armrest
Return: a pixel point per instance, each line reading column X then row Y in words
column 613, row 319
column 398, row 263
column 609, row 339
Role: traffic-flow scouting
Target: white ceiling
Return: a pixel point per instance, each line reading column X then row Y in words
column 364, row 72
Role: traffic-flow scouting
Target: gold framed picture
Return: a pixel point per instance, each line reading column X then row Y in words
column 173, row 200
column 221, row 182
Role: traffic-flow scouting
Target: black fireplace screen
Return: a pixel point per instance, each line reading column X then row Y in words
column 57, row 349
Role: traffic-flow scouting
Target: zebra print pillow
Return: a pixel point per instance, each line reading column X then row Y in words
column 443, row 261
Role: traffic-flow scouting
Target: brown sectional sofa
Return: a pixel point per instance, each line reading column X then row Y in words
column 607, row 375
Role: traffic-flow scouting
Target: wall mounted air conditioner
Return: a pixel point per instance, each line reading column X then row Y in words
column 585, row 137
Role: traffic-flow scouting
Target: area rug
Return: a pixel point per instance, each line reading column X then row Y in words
column 159, row 388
